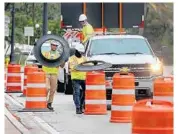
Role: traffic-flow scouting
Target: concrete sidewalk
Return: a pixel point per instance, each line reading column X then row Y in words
column 65, row 121
column 9, row 127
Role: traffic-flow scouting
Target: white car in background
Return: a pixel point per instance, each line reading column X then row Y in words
column 31, row 60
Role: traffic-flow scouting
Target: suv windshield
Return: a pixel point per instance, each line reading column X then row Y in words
column 119, row 46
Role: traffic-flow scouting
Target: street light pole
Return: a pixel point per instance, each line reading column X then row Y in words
column 12, row 57
column 45, row 18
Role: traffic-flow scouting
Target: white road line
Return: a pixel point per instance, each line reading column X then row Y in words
column 41, row 122
column 16, row 123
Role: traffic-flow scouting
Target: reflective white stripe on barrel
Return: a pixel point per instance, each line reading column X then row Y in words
column 24, row 87
column 13, row 84
column 25, row 77
column 95, row 87
column 123, row 91
column 163, row 98
column 36, row 85
column 121, row 108
column 95, row 101
column 22, row 69
column 13, row 74
column 35, row 98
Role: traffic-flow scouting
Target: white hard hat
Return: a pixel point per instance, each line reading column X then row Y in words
column 54, row 43
column 82, row 17
column 80, row 48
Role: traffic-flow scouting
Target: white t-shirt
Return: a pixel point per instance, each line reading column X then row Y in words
column 61, row 72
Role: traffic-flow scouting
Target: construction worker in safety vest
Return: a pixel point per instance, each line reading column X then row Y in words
column 51, row 73
column 87, row 29
column 78, row 78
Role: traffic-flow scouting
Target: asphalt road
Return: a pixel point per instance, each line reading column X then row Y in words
column 65, row 121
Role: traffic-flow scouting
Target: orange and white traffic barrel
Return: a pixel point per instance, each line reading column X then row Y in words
column 13, row 79
column 123, row 98
column 152, row 117
column 95, row 94
column 5, row 77
column 36, row 92
column 28, row 69
column 163, row 88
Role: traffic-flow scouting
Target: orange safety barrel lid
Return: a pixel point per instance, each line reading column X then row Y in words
column 36, row 77
column 30, row 68
column 95, row 78
column 123, row 81
column 13, row 68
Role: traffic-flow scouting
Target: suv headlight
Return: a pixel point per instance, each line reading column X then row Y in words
column 157, row 69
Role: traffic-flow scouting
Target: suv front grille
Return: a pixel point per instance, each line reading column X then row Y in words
column 140, row 71
column 131, row 66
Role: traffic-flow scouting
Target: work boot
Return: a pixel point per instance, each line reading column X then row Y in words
column 78, row 111
column 49, row 106
column 82, row 109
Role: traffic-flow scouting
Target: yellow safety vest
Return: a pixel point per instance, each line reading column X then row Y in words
column 77, row 75
column 7, row 59
column 50, row 70
column 87, row 32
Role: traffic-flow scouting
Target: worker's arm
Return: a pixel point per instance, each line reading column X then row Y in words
column 88, row 32
column 72, row 66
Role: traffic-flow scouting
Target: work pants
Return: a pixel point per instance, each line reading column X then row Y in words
column 51, row 82
column 78, row 93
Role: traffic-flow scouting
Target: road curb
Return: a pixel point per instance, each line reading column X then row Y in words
column 38, row 120
column 15, row 122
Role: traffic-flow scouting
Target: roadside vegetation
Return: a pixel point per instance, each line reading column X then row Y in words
column 158, row 24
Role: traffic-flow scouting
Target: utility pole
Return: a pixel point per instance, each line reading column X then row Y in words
column 45, row 18
column 33, row 18
column 12, row 57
